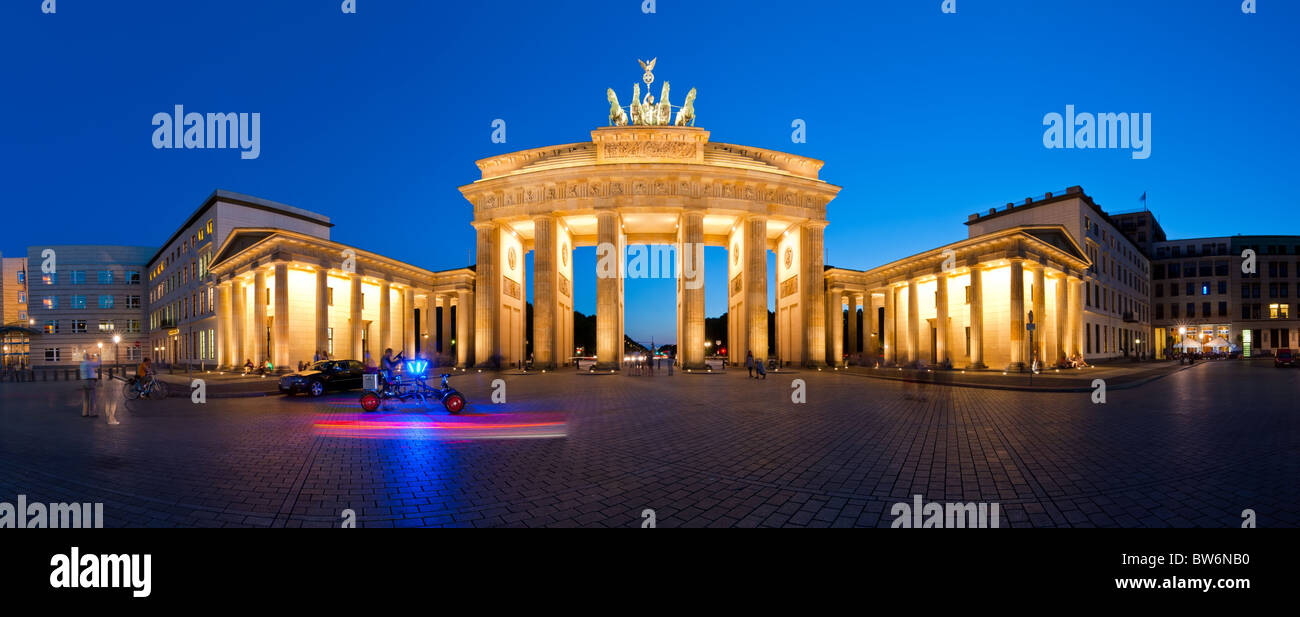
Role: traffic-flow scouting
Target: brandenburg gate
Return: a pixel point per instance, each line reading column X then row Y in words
column 650, row 178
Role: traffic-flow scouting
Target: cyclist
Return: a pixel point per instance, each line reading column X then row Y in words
column 388, row 364
column 142, row 374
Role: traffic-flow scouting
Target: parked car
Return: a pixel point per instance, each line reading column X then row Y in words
column 1283, row 358
column 322, row 376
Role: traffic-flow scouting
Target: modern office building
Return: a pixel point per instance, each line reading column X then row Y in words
column 1192, row 293
column 81, row 296
column 14, row 318
column 1267, row 293
column 182, row 313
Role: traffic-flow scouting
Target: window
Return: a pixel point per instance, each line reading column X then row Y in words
column 106, row 326
column 133, row 302
column 106, row 302
column 1205, row 309
column 330, row 341
column 1191, row 309
column 51, row 326
column 1278, row 311
column 1223, row 287
column 78, row 326
column 132, row 277
column 1205, row 289
column 52, row 354
column 50, row 302
column 133, row 325
column 22, row 276
column 105, row 277
column 22, row 297
column 50, row 279
column 78, row 302
column 1223, row 309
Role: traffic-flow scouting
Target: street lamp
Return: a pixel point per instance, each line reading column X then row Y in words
column 117, row 338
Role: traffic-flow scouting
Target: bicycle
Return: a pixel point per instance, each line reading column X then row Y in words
column 151, row 389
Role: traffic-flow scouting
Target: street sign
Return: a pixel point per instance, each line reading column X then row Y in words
column 1030, row 326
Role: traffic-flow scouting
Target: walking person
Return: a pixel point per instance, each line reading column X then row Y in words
column 87, row 373
column 110, row 397
column 749, row 362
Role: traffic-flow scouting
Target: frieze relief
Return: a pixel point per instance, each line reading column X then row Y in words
column 586, row 189
column 649, row 149
column 790, row 286
column 510, row 287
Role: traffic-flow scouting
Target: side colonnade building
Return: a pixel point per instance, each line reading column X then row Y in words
column 965, row 304
column 284, row 296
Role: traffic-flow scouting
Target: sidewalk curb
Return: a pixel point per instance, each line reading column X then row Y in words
column 1076, row 389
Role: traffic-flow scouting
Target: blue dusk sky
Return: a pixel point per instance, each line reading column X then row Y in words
column 375, row 118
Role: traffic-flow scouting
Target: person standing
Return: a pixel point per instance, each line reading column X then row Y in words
column 87, row 371
column 749, row 362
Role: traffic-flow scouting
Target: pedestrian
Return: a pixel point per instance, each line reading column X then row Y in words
column 749, row 362
column 315, row 357
column 110, row 395
column 758, row 365
column 87, row 371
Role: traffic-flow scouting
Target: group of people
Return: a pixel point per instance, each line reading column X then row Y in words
column 250, row 368
column 755, row 365
column 95, row 397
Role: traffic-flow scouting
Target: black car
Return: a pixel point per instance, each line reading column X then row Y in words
column 322, row 376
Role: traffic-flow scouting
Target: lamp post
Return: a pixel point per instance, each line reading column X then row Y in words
column 117, row 363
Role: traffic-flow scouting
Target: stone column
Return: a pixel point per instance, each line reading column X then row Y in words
column 545, row 292
column 1062, row 323
column 447, row 334
column 693, row 291
column 322, row 311
column 354, row 319
column 835, row 325
column 385, row 316
column 1017, row 315
column 408, row 320
column 1040, row 314
column 755, row 318
column 890, row 333
column 1075, row 318
column 464, row 317
column 977, row 318
column 913, row 323
column 281, row 356
column 236, row 324
column 223, row 325
column 812, row 287
column 608, row 347
column 429, row 343
column 259, row 318
column 871, row 340
column 851, row 345
column 941, row 318
column 487, row 296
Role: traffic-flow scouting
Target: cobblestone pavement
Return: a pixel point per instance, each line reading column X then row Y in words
column 1194, row 448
